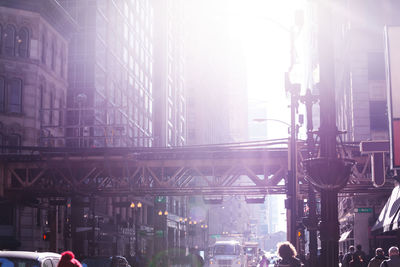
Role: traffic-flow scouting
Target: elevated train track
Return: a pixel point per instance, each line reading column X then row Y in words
column 205, row 170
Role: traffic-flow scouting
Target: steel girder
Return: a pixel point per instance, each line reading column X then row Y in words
column 162, row 172
column 180, row 171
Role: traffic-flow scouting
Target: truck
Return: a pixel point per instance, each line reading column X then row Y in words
column 227, row 253
column 251, row 253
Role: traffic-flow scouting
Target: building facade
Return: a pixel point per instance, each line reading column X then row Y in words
column 360, row 87
column 33, row 89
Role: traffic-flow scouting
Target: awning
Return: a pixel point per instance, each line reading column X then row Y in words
column 345, row 236
column 388, row 219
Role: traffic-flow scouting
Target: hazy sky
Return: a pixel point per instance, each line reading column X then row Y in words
column 262, row 26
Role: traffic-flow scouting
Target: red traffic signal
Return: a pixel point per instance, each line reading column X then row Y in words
column 46, row 236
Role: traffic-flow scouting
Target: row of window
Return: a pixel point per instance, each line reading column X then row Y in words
column 15, row 42
column 10, row 95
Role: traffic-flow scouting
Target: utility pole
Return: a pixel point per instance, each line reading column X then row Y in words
column 312, row 221
column 291, row 204
column 328, row 173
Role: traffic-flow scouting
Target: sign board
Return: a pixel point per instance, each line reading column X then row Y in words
column 160, row 199
column 363, row 210
column 392, row 55
column 159, row 233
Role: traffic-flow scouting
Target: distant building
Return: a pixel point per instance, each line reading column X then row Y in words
column 216, row 91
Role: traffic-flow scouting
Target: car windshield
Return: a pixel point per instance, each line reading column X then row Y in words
column 18, row 262
column 224, row 250
column 250, row 251
column 96, row 262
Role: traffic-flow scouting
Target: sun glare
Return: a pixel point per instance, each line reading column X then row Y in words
column 263, row 29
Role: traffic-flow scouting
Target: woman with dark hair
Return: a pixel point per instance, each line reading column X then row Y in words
column 288, row 254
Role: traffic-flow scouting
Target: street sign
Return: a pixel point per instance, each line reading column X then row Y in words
column 160, row 199
column 215, row 236
column 159, row 233
column 363, row 210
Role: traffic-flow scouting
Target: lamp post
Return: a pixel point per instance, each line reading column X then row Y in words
column 136, row 208
column 291, row 186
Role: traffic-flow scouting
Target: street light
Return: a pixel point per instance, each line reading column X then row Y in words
column 291, row 204
column 136, row 208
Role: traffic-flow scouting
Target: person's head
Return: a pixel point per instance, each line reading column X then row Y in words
column 393, row 251
column 286, row 250
column 379, row 252
column 340, row 253
column 352, row 249
column 68, row 260
column 358, row 247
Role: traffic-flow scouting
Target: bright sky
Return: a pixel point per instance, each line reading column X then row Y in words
column 262, row 26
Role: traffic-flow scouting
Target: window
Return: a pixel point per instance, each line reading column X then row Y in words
column 1, row 37
column 62, row 67
column 9, row 40
column 51, row 106
column 2, row 94
column 14, row 103
column 53, row 55
column 378, row 115
column 47, row 263
column 14, row 140
column 23, row 41
column 376, row 66
column 44, row 46
column 2, row 142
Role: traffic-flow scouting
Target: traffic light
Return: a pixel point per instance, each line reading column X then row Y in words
column 46, row 236
column 68, row 229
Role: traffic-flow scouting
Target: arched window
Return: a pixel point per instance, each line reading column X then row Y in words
column 23, row 42
column 2, row 94
column 14, row 103
column 44, row 47
column 9, row 40
column 53, row 55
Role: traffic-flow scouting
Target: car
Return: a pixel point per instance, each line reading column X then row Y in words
column 28, row 259
column 105, row 261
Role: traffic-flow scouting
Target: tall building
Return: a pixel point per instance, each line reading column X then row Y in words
column 33, row 89
column 215, row 77
column 111, row 73
column 216, row 88
column 126, row 89
column 361, row 109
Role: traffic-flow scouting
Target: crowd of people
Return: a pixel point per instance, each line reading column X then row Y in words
column 356, row 257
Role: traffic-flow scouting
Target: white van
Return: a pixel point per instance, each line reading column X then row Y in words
column 227, row 254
